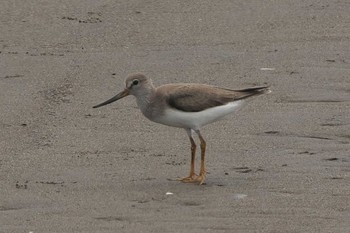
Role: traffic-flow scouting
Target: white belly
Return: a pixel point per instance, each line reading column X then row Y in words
column 195, row 120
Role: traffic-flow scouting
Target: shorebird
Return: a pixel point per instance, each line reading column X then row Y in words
column 185, row 105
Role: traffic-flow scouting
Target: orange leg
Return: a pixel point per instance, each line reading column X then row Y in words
column 192, row 176
column 202, row 172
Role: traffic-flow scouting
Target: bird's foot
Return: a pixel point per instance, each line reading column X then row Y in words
column 201, row 178
column 189, row 179
column 194, row 179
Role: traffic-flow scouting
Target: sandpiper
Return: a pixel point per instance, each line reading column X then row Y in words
column 188, row 106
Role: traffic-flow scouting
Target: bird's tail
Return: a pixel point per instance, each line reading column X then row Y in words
column 254, row 91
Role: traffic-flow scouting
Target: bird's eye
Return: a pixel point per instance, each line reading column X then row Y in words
column 135, row 82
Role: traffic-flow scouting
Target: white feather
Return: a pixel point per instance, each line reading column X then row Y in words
column 195, row 120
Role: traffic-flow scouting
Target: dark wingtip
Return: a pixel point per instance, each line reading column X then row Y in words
column 263, row 90
column 259, row 88
column 255, row 91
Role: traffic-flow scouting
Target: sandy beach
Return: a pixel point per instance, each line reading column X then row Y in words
column 280, row 164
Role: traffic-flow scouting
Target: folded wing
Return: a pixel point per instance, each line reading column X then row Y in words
column 197, row 97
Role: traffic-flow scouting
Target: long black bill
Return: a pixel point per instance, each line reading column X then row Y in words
column 115, row 98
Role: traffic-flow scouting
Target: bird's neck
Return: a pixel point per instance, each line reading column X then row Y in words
column 143, row 99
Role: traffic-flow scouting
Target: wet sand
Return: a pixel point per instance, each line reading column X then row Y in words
column 281, row 164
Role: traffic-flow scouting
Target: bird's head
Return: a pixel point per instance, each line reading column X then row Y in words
column 135, row 84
